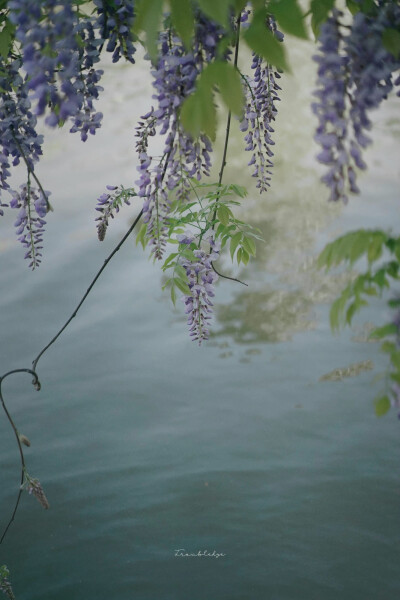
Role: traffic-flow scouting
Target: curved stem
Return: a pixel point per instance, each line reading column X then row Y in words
column 21, row 453
column 99, row 272
column 226, row 276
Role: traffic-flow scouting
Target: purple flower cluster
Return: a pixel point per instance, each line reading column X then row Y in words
column 107, row 204
column 201, row 278
column 354, row 76
column 32, row 205
column 115, row 21
column 183, row 158
column 262, row 93
column 59, row 52
column 18, row 137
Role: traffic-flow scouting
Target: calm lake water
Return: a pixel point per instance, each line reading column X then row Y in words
column 147, row 444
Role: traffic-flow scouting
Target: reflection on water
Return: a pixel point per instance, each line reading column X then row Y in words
column 269, row 315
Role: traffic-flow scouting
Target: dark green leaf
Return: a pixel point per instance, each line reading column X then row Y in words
column 239, row 5
column 264, row 43
column 218, row 10
column 320, row 11
column 182, row 20
column 229, row 82
column 198, row 113
column 6, row 37
column 353, row 6
column 289, row 16
column 391, row 41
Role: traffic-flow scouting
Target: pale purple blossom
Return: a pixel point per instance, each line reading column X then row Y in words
column 201, row 279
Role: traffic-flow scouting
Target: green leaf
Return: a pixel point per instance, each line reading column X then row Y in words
column 351, row 311
column 353, row 6
column 385, row 330
column 239, row 5
column 388, row 347
column 223, row 214
column 235, row 243
column 6, row 37
column 148, row 16
column 183, row 287
column 391, row 41
column 245, row 257
column 382, row 405
column 249, row 245
column 320, row 11
column 182, row 20
column 375, row 249
column 218, row 10
column 338, row 307
column 173, row 294
column 239, row 190
column 229, row 82
column 141, row 235
column 169, row 260
column 198, row 113
column 181, row 272
column 289, row 17
column 260, row 39
column 380, row 278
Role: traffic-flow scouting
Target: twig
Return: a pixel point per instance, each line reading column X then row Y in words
column 99, row 272
column 226, row 276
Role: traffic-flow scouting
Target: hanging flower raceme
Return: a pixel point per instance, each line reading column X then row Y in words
column 32, row 208
column 115, row 22
column 354, row 76
column 18, row 137
column 110, row 203
column 262, row 93
column 182, row 158
column 59, row 51
column 34, row 487
column 201, row 278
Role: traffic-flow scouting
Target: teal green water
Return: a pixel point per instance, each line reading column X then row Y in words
column 147, row 444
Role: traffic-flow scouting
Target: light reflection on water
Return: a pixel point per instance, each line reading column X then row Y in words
column 146, row 443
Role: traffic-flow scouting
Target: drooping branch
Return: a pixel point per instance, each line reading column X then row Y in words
column 107, row 260
column 36, row 383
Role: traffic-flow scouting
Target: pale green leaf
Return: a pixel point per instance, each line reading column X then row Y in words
column 223, row 214
column 382, row 405
column 235, row 243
